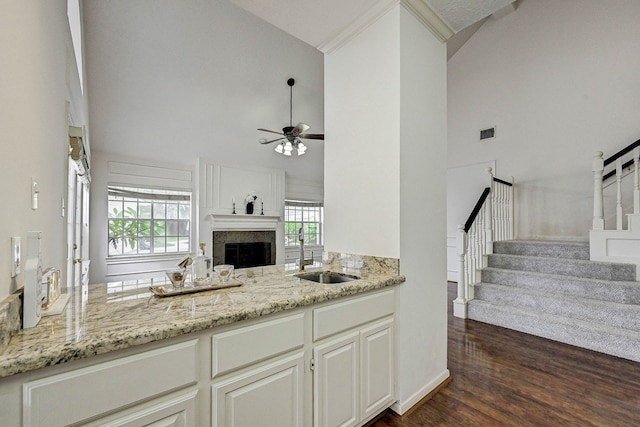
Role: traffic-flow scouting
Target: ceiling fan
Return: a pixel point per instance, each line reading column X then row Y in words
column 291, row 136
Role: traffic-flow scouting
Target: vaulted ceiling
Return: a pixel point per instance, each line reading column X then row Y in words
column 318, row 22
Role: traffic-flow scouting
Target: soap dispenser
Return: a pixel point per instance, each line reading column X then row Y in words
column 201, row 267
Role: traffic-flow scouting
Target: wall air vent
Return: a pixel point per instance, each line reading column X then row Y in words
column 488, row 133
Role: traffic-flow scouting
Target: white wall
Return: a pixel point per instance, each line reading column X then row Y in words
column 37, row 54
column 171, row 81
column 174, row 81
column 385, row 110
column 560, row 81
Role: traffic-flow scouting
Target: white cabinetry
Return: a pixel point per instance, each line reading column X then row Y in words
column 269, row 396
column 377, row 367
column 330, row 364
column 258, row 373
column 83, row 394
column 176, row 410
column 336, row 381
column 354, row 371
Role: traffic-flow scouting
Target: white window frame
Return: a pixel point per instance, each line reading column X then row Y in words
column 291, row 237
column 148, row 195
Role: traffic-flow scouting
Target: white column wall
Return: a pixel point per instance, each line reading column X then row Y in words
column 422, row 315
column 385, row 172
column 362, row 158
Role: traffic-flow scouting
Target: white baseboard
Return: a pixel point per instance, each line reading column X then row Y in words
column 402, row 407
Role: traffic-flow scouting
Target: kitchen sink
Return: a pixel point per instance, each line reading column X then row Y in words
column 326, row 277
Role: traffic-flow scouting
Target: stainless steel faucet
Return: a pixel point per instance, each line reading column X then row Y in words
column 303, row 261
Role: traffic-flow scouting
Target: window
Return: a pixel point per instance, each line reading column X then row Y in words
column 309, row 215
column 145, row 221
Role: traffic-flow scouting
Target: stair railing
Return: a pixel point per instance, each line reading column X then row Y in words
column 620, row 171
column 491, row 220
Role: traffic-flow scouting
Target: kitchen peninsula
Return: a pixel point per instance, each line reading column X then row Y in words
column 121, row 356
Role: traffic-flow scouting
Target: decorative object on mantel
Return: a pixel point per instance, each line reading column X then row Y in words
column 249, row 200
column 291, row 135
column 261, row 206
column 233, row 200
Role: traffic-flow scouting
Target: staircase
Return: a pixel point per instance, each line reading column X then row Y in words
column 552, row 290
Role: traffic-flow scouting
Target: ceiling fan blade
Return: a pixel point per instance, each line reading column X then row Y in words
column 272, row 131
column 264, row 140
column 300, row 128
column 312, row 136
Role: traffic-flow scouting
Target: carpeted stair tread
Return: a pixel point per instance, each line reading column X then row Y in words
column 564, row 267
column 605, row 339
column 603, row 312
column 624, row 292
column 544, row 248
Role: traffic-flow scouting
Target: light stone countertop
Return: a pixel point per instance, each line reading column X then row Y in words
column 107, row 317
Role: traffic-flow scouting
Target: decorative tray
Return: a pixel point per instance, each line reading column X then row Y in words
column 190, row 288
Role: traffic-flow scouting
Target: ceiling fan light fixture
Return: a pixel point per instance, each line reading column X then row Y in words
column 288, row 148
column 290, row 137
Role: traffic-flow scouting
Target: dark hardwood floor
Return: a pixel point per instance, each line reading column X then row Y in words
column 506, row 378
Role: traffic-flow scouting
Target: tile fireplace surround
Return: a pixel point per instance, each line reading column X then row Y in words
column 220, row 238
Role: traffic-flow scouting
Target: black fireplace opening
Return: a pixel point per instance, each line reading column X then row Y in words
column 243, row 255
column 244, row 248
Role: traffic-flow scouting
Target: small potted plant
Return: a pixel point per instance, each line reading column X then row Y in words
column 251, row 197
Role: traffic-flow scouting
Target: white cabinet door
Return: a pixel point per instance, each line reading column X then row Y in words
column 336, row 382
column 377, row 367
column 269, row 396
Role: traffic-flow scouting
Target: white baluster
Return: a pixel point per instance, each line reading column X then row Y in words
column 636, row 181
column 495, row 210
column 472, row 256
column 478, row 251
column 503, row 212
column 460, row 303
column 483, row 241
column 619, row 193
column 488, row 222
column 597, row 167
column 511, row 210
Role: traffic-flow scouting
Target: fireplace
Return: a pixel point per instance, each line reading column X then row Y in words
column 244, row 248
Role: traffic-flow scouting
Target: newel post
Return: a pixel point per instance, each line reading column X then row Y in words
column 488, row 223
column 460, row 303
column 597, row 167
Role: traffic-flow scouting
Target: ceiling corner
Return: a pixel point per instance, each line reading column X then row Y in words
column 430, row 18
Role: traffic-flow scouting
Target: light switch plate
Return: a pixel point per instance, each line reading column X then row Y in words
column 15, row 255
column 35, row 191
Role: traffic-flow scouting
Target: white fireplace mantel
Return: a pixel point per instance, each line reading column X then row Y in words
column 243, row 222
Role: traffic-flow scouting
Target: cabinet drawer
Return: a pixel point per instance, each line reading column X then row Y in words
column 108, row 386
column 177, row 410
column 241, row 347
column 345, row 315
